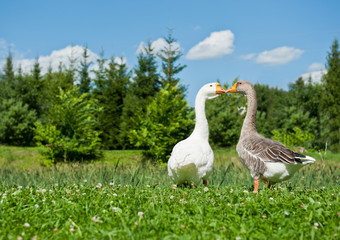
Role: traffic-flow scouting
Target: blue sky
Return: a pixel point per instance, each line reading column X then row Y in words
column 267, row 42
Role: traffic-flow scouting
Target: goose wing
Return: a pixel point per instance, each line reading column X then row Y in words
column 268, row 150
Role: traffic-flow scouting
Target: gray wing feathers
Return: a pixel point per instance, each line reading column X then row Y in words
column 268, row 150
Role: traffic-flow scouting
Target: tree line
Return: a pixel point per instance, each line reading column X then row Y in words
column 73, row 114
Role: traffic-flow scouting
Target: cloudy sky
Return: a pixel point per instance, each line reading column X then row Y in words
column 268, row 42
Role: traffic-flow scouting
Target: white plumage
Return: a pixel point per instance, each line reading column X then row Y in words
column 192, row 159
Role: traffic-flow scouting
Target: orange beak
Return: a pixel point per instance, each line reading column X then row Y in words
column 219, row 89
column 232, row 89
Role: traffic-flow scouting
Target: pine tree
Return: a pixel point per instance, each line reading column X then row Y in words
column 331, row 96
column 9, row 69
column 169, row 55
column 144, row 86
column 85, row 81
column 111, row 96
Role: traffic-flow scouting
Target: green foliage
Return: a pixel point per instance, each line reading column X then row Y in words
column 168, row 119
column 295, row 138
column 16, row 122
column 85, row 81
column 169, row 55
column 69, row 134
column 143, row 88
column 110, row 96
column 331, row 96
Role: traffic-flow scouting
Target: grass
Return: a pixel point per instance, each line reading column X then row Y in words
column 122, row 198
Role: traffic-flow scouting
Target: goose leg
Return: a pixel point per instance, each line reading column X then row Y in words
column 256, row 185
column 269, row 185
column 205, row 182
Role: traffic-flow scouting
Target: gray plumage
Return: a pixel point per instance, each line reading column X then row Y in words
column 266, row 159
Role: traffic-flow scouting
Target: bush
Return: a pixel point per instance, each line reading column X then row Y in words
column 16, row 122
column 168, row 119
column 69, row 134
column 297, row 138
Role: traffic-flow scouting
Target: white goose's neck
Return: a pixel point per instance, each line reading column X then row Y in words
column 201, row 126
column 249, row 123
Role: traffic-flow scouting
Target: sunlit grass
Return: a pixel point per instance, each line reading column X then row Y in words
column 122, row 197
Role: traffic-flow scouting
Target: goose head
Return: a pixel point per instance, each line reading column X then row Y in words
column 241, row 86
column 212, row 90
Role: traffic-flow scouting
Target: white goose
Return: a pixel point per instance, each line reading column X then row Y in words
column 192, row 159
column 265, row 159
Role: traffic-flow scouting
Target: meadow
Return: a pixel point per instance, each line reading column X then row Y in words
column 123, row 197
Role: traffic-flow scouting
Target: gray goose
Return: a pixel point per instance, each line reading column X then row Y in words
column 266, row 159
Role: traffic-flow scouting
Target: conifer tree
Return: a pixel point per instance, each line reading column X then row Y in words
column 169, row 55
column 110, row 96
column 144, row 86
column 331, row 96
column 85, row 81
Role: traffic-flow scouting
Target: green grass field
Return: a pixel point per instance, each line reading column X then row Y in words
column 121, row 197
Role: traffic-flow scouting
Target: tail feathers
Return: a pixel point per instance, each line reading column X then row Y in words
column 307, row 160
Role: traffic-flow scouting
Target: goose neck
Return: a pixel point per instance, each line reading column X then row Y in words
column 249, row 124
column 201, row 126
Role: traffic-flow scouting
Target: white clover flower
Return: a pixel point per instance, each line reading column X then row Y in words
column 112, row 183
column 43, row 191
column 19, row 187
column 174, row 187
column 115, row 194
column 148, row 186
column 72, row 229
column 95, row 219
column 171, row 197
column 85, row 180
column 286, row 212
column 245, row 191
column 68, row 191
column 140, row 214
column 114, row 209
column 206, row 189
column 26, row 225
column 231, row 190
column 53, row 201
column 271, row 198
column 99, row 185
column 84, row 194
column 36, row 206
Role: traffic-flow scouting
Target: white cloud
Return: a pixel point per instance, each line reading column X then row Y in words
column 315, row 72
column 5, row 48
column 217, row 45
column 279, row 56
column 248, row 56
column 63, row 56
column 157, row 46
column 316, row 76
column 316, row 67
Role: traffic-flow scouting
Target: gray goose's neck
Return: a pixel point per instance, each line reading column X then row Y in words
column 201, row 127
column 249, row 123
